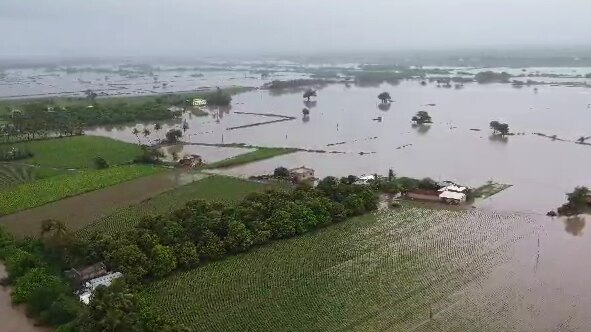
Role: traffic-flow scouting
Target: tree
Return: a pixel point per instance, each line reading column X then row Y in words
column 309, row 93
column 218, row 98
column 499, row 128
column 384, row 97
column 391, row 174
column 305, row 112
column 114, row 309
column 281, row 172
column 162, row 261
column 157, row 126
column 281, row 224
column 211, row 247
column 239, row 238
column 136, row 132
column 579, row 198
column 101, row 163
column 173, row 135
column 187, row 255
column 422, row 117
column 581, row 139
column 91, row 95
column 146, row 132
column 131, row 261
column 185, row 126
column 149, row 155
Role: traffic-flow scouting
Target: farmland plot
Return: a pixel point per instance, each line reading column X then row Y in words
column 412, row 269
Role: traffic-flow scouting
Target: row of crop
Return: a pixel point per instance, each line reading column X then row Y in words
column 33, row 194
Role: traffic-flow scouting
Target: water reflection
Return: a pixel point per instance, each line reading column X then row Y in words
column 310, row 103
column 498, row 138
column 574, row 225
column 384, row 106
column 421, row 128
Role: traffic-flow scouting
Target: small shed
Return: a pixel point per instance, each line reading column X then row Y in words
column 365, row 179
column 452, row 197
column 85, row 273
column 455, row 188
column 301, row 174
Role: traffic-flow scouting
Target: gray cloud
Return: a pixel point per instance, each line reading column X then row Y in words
column 197, row 27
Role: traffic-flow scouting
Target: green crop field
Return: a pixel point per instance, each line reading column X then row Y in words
column 78, row 152
column 33, row 194
column 215, row 187
column 405, row 270
column 12, row 174
column 259, row 154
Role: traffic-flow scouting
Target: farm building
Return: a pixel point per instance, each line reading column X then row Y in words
column 301, row 174
column 454, row 188
column 199, row 102
column 92, row 284
column 452, row 197
column 365, row 179
column 191, row 161
column 82, row 274
column 424, row 195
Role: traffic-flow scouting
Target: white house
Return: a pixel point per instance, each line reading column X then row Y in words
column 365, row 179
column 92, row 284
column 452, row 197
column 454, row 188
column 199, row 102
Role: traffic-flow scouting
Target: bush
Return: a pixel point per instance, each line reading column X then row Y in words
column 100, row 163
column 281, row 172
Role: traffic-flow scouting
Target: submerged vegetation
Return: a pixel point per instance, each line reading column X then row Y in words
column 578, row 201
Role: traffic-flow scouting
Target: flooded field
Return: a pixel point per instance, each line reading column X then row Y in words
column 13, row 319
column 457, row 146
column 403, row 270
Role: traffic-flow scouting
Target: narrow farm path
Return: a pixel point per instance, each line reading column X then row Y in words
column 78, row 211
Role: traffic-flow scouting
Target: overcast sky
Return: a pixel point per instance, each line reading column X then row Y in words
column 198, row 27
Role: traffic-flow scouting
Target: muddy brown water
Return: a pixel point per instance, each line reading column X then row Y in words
column 341, row 120
column 13, row 319
column 78, row 211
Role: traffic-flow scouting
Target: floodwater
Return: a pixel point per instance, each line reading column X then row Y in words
column 39, row 82
column 13, row 319
column 457, row 146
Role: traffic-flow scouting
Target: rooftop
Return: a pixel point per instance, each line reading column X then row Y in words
column 452, row 195
column 301, row 169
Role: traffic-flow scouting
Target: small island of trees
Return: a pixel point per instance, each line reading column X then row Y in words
column 422, row 117
column 309, row 93
column 499, row 128
column 385, row 97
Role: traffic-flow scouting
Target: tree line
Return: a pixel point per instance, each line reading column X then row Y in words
column 186, row 238
column 39, row 120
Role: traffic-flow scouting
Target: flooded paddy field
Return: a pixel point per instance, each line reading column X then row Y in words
column 405, row 270
column 458, row 146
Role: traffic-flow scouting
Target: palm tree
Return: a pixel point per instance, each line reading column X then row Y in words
column 59, row 235
column 136, row 132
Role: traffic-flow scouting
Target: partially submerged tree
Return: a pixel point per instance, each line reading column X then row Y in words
column 173, row 135
column 385, row 97
column 281, row 172
column 306, row 112
column 499, row 128
column 309, row 93
column 422, row 117
column 577, row 201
